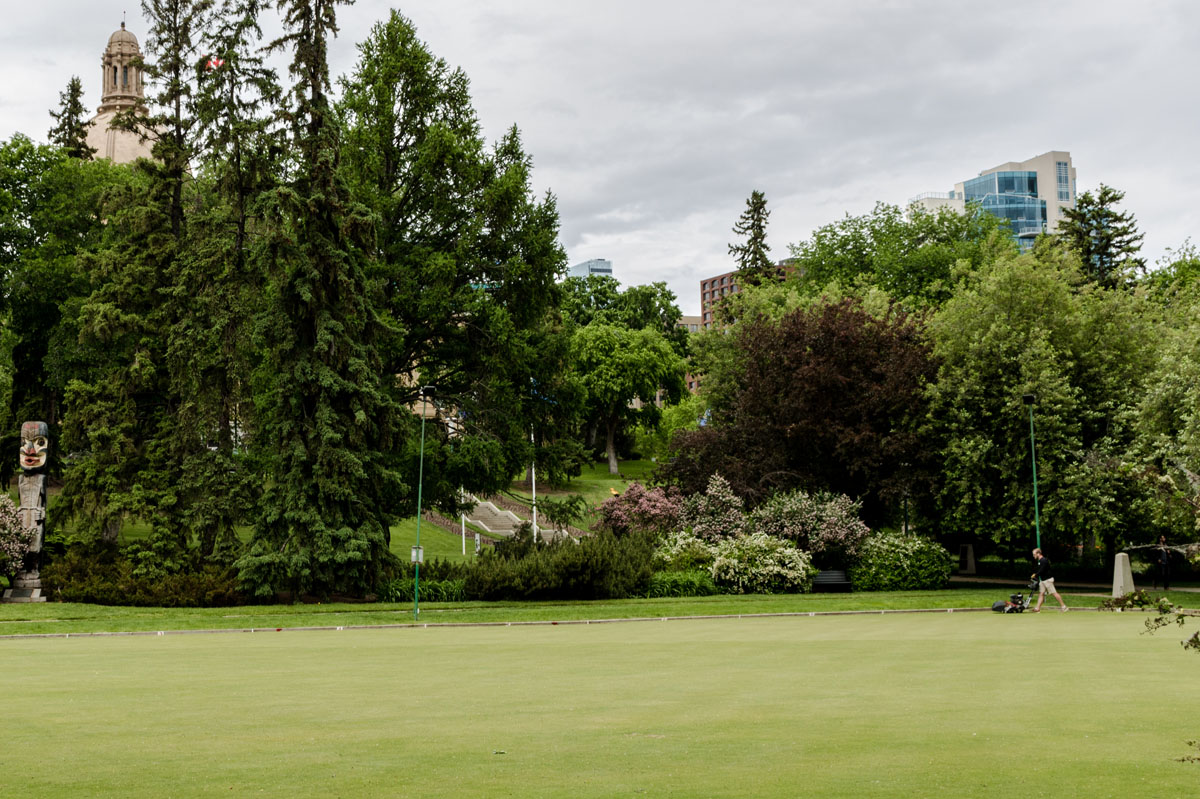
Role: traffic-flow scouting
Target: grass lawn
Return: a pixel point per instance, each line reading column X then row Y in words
column 928, row 705
column 70, row 618
column 437, row 542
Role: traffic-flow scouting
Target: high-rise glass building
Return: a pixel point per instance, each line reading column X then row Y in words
column 595, row 266
column 1031, row 194
column 1012, row 196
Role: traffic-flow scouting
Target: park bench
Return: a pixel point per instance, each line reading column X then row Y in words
column 831, row 581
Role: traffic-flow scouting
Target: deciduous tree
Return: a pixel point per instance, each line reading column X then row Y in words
column 1030, row 325
column 617, row 365
column 909, row 254
column 827, row 397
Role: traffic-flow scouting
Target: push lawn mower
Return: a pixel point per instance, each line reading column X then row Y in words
column 1016, row 603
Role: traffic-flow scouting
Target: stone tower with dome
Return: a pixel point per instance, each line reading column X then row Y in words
column 122, row 90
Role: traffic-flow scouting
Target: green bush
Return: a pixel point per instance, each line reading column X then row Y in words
column 432, row 590
column 104, row 574
column 696, row 582
column 895, row 562
column 760, row 564
column 682, row 551
column 600, row 566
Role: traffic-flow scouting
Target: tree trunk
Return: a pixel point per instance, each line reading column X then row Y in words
column 611, row 446
column 111, row 530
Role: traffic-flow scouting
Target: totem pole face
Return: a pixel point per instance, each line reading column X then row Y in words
column 35, row 446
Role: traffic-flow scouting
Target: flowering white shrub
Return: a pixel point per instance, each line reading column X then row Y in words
column 682, row 551
column 760, row 564
column 825, row 525
column 717, row 513
column 15, row 540
column 894, row 562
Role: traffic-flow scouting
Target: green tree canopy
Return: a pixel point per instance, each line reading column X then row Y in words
column 1168, row 415
column 909, row 254
column 328, row 422
column 826, row 397
column 599, row 298
column 467, row 260
column 617, row 365
column 1028, row 324
column 52, row 207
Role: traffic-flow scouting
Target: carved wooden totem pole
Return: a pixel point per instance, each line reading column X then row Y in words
column 31, row 485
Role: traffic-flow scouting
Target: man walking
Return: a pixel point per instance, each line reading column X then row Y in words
column 1045, row 580
column 1164, row 564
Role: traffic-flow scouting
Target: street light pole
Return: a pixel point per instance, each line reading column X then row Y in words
column 1037, row 522
column 418, row 554
column 533, row 483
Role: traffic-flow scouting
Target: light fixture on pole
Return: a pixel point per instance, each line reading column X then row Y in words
column 418, row 554
column 1037, row 522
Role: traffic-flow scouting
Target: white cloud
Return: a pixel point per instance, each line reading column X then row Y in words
column 652, row 121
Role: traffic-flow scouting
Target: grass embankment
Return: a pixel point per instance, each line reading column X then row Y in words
column 60, row 618
column 595, row 484
column 938, row 705
column 437, row 542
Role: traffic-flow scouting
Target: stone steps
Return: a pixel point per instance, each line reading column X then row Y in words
column 494, row 520
column 503, row 522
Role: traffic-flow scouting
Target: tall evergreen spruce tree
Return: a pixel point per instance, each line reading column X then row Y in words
column 235, row 86
column 1107, row 240
column 467, row 264
column 326, row 420
column 754, row 264
column 118, row 411
column 70, row 125
column 125, row 413
column 210, row 353
column 174, row 41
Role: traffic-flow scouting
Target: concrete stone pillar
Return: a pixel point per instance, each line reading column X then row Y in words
column 966, row 559
column 1122, row 576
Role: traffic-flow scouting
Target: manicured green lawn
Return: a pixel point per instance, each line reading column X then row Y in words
column 923, row 705
column 437, row 542
column 62, row 618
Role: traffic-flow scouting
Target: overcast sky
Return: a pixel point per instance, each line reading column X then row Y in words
column 652, row 121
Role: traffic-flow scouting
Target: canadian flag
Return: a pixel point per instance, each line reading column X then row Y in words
column 214, row 62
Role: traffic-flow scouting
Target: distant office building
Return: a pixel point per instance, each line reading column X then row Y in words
column 692, row 324
column 712, row 289
column 1031, row 194
column 596, row 266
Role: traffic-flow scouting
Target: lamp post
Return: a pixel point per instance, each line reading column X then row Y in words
column 533, row 482
column 418, row 554
column 1037, row 522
